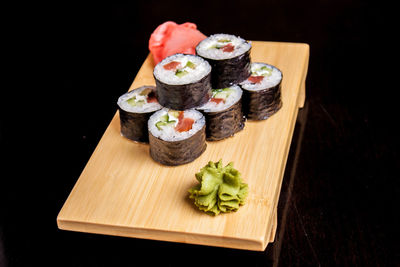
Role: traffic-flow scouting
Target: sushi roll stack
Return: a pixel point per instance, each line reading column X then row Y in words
column 200, row 97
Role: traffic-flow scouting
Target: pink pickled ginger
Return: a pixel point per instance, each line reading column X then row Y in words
column 170, row 38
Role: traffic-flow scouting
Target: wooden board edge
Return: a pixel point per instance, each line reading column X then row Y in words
column 274, row 227
column 283, row 167
column 302, row 94
column 161, row 235
column 273, row 221
column 270, row 232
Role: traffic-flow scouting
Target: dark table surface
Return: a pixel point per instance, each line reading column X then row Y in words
column 340, row 189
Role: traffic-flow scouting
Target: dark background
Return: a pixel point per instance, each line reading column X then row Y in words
column 71, row 62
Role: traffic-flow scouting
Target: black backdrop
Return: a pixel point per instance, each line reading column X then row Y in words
column 71, row 62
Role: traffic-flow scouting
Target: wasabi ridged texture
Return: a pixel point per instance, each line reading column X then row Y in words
column 221, row 189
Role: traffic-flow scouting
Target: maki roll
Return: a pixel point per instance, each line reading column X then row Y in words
column 135, row 108
column 229, row 57
column 183, row 81
column 223, row 112
column 262, row 91
column 176, row 137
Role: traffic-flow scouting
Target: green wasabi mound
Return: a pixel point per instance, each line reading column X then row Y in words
column 221, row 189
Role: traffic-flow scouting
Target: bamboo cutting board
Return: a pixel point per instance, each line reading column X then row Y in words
column 123, row 192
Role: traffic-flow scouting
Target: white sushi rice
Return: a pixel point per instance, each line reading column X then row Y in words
column 146, row 107
column 207, row 47
column 232, row 99
column 273, row 77
column 168, row 133
column 202, row 69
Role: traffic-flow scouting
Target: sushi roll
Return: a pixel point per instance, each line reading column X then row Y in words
column 229, row 57
column 262, row 91
column 176, row 137
column 183, row 81
column 223, row 113
column 135, row 108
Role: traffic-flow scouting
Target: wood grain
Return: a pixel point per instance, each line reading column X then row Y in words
column 123, row 192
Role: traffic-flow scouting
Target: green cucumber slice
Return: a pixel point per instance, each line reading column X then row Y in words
column 145, row 91
column 132, row 101
column 135, row 103
column 222, row 93
column 263, row 71
column 217, row 46
column 190, row 64
column 164, row 118
column 174, row 113
column 170, row 123
column 181, row 73
column 161, row 124
column 267, row 71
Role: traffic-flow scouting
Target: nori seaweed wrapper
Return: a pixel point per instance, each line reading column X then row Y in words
column 185, row 96
column 262, row 104
column 134, row 125
column 173, row 153
column 226, row 72
column 225, row 123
